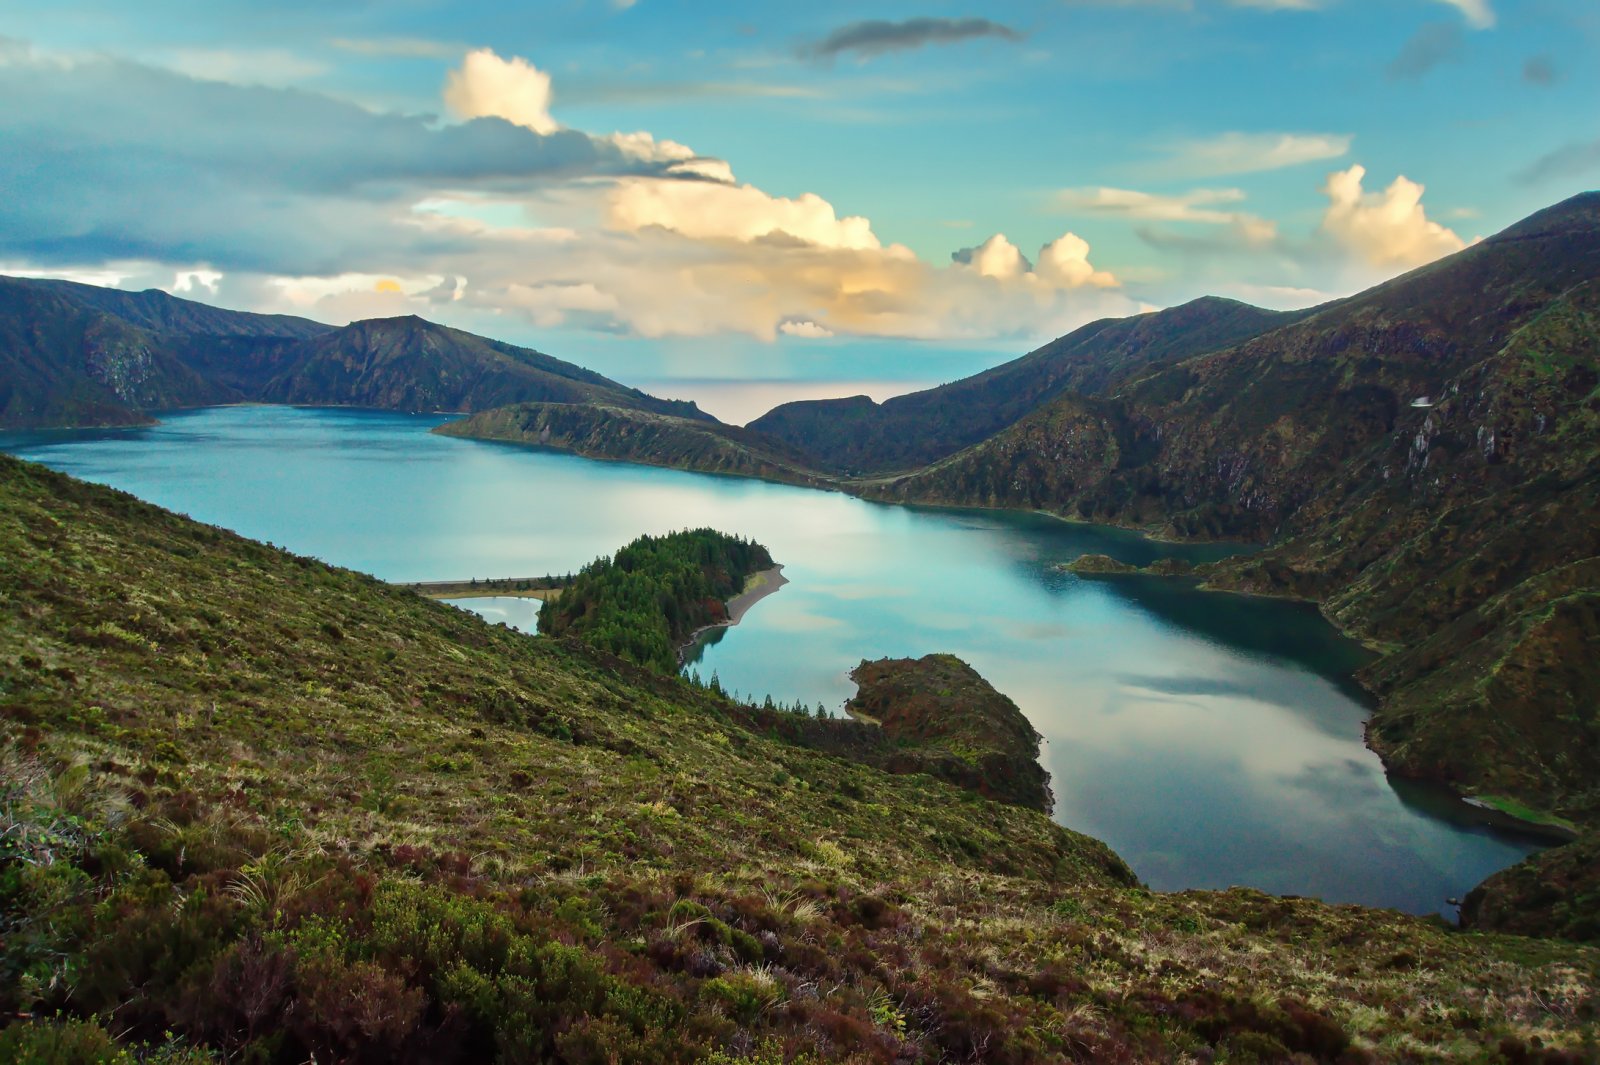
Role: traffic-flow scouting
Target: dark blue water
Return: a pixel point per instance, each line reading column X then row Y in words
column 1211, row 740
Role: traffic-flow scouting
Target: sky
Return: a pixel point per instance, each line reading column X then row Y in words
column 658, row 189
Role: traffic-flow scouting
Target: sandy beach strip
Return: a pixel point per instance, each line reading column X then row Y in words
column 756, row 588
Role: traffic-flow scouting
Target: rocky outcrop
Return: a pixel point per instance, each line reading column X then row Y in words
column 1554, row 893
column 942, row 718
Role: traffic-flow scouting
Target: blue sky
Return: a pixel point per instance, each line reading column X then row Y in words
column 818, row 190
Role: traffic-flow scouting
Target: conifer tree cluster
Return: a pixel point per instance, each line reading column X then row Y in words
column 646, row 601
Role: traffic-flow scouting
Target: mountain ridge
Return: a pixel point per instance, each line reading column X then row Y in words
column 926, row 426
column 78, row 355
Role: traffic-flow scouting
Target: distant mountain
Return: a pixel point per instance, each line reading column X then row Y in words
column 600, row 431
column 75, row 354
column 161, row 312
column 859, row 436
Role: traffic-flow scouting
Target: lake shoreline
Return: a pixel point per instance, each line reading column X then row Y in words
column 758, row 587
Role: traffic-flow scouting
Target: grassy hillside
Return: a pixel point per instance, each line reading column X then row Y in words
column 257, row 807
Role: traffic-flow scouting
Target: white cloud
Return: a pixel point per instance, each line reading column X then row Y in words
column 996, row 257
column 1246, row 153
column 1199, row 206
column 808, row 330
column 1064, row 262
column 270, row 66
column 486, row 86
column 1388, row 228
column 1478, row 13
column 707, row 211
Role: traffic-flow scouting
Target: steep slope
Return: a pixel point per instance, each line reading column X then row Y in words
column 863, row 437
column 602, row 431
column 64, row 363
column 75, row 354
column 1459, row 534
column 264, row 809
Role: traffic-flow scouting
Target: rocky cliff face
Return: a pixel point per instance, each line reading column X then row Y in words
column 62, row 363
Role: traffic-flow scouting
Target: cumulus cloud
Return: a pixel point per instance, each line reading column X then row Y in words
column 708, row 211
column 996, row 257
column 1386, row 229
column 874, row 37
column 487, row 86
column 1063, row 263
column 1247, row 153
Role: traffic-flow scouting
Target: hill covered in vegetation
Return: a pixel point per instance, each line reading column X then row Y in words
column 960, row 727
column 257, row 808
column 861, row 438
column 602, row 431
column 79, row 355
column 646, row 601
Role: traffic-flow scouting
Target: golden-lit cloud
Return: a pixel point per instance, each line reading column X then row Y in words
column 1385, row 229
column 487, row 86
column 708, row 211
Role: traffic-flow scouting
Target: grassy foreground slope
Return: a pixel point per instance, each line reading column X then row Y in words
column 259, row 809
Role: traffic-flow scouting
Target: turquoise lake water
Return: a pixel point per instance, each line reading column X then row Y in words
column 1211, row 740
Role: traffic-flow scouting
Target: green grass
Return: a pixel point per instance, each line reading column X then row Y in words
column 1524, row 812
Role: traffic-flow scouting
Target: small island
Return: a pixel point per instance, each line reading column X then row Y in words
column 653, row 596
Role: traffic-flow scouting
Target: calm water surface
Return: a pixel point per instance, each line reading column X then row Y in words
column 1211, row 740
